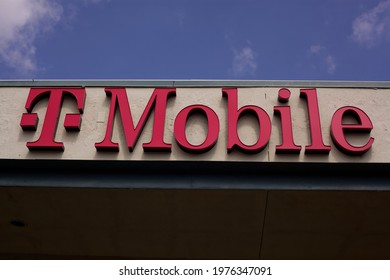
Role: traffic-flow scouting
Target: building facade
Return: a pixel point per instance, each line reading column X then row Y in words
column 194, row 169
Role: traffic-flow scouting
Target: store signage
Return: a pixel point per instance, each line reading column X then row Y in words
column 157, row 104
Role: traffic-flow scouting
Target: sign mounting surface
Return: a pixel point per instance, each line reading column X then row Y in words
column 216, row 124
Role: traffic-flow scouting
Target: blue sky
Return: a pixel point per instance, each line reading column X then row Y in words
column 197, row 39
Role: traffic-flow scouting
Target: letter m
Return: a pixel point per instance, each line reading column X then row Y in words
column 119, row 101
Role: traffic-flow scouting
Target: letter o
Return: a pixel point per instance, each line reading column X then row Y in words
column 212, row 132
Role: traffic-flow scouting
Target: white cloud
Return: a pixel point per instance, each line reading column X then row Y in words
column 95, row 1
column 181, row 16
column 315, row 49
column 320, row 52
column 21, row 21
column 371, row 27
column 330, row 64
column 244, row 62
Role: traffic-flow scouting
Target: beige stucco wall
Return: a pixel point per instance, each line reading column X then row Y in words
column 80, row 145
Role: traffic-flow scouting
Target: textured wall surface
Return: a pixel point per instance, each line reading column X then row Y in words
column 80, row 145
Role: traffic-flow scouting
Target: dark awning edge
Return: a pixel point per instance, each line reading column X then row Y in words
column 195, row 175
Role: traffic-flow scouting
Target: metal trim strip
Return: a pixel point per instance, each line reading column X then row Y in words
column 194, row 83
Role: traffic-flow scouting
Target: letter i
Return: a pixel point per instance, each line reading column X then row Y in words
column 284, row 112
